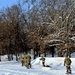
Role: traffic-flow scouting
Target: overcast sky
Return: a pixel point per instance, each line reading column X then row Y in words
column 7, row 3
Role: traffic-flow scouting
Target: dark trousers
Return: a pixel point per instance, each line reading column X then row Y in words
column 43, row 63
column 68, row 69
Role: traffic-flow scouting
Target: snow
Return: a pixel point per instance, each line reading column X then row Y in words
column 73, row 38
column 56, row 66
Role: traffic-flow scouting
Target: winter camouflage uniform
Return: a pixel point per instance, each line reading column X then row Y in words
column 27, row 59
column 22, row 60
column 43, row 61
column 67, row 63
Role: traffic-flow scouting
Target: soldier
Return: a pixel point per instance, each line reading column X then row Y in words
column 67, row 63
column 22, row 60
column 28, row 61
column 43, row 60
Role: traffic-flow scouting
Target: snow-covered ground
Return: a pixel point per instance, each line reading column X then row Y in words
column 56, row 64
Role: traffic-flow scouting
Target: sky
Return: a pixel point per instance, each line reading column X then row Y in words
column 7, row 3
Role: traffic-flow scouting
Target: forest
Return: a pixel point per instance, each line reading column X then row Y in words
column 38, row 25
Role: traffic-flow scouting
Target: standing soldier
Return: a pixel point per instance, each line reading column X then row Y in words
column 67, row 63
column 27, row 61
column 43, row 60
column 22, row 60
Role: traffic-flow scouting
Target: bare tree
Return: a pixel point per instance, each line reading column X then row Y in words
column 40, row 20
column 54, row 18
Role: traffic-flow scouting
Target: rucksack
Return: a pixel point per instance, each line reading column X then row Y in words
column 68, row 61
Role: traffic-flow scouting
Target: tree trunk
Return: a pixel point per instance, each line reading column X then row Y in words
column 0, row 57
column 39, row 54
column 16, row 56
column 9, row 57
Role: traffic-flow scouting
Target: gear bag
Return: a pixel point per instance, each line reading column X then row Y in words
column 67, row 61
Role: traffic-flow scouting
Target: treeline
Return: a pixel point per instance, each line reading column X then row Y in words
column 25, row 24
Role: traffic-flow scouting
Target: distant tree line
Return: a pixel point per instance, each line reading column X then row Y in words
column 26, row 23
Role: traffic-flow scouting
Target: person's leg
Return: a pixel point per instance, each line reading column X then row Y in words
column 43, row 63
column 69, row 69
column 66, row 69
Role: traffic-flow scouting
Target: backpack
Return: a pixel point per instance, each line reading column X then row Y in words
column 68, row 61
